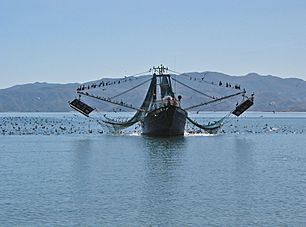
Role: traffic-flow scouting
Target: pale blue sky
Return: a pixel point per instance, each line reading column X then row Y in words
column 76, row 41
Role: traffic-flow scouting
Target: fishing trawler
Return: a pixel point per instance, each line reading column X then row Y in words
column 161, row 112
column 164, row 117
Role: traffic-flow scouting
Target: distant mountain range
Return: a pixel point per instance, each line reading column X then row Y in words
column 271, row 93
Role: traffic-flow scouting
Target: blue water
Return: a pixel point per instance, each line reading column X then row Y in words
column 252, row 174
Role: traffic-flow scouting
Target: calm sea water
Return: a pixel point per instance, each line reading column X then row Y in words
column 59, row 169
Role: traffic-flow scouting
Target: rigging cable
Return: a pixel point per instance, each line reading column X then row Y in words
column 205, row 81
column 124, row 92
column 193, row 89
column 137, row 74
column 215, row 100
column 110, row 101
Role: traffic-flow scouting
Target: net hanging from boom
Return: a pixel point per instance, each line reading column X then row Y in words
column 162, row 84
column 139, row 115
column 213, row 127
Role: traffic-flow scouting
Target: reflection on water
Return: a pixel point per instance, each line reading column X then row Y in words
column 82, row 168
column 164, row 154
column 164, row 157
column 226, row 180
column 82, row 152
column 243, row 155
column 244, row 176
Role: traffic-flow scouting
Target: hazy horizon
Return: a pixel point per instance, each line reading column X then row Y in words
column 86, row 81
column 77, row 41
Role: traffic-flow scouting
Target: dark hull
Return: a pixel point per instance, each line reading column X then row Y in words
column 165, row 121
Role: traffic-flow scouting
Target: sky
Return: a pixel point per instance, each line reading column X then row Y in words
column 61, row 41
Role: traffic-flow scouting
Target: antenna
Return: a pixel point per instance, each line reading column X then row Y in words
column 160, row 70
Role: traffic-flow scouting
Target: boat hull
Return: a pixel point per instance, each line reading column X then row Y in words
column 165, row 121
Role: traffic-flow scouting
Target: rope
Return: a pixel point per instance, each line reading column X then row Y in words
column 124, row 92
column 137, row 74
column 174, row 71
column 111, row 101
column 193, row 89
column 208, row 82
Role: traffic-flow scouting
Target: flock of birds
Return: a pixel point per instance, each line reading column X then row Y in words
column 74, row 124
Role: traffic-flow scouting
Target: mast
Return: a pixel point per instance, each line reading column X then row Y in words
column 165, row 86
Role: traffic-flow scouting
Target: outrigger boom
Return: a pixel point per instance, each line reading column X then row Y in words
column 160, row 114
column 110, row 101
column 215, row 100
